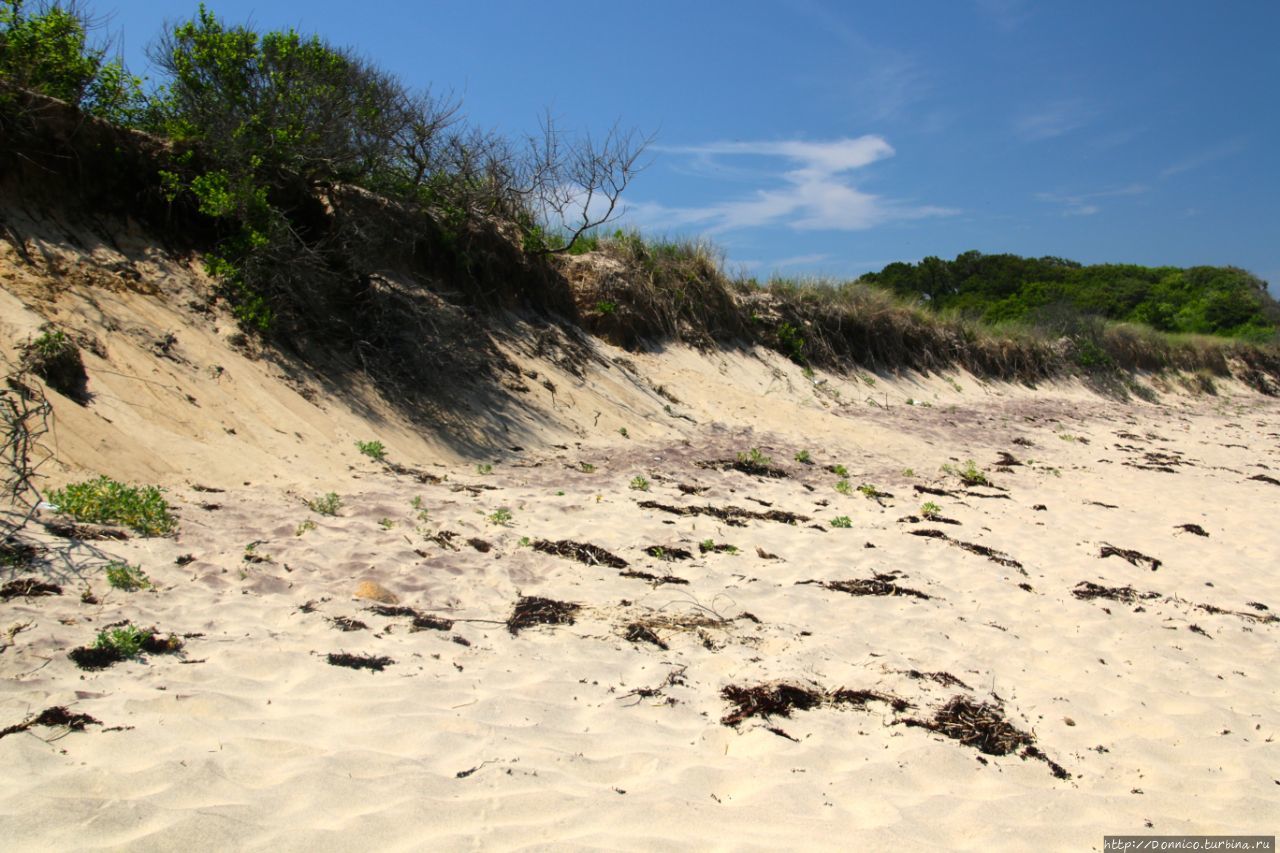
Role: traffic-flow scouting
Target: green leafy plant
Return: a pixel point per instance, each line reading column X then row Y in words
column 386, row 523
column 126, row 640
column 305, row 527
column 327, row 504
column 639, row 483
column 622, row 431
column 930, row 510
column 839, row 470
column 106, row 501
column 908, row 472
column 841, row 521
column 969, row 474
column 755, row 457
column 375, row 450
column 500, row 516
column 804, row 458
column 129, row 578
column 484, row 468
column 844, row 488
column 869, row 491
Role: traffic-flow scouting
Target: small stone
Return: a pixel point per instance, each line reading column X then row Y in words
column 375, row 591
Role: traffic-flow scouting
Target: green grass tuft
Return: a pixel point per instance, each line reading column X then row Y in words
column 143, row 509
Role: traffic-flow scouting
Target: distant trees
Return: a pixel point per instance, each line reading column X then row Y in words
column 1003, row 288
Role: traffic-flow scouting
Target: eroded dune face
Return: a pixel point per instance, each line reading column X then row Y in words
column 678, row 599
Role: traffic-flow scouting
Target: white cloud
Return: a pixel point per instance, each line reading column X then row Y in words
column 1053, row 119
column 1203, row 158
column 813, row 190
column 1082, row 204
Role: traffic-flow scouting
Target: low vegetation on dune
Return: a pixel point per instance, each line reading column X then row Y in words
column 360, row 223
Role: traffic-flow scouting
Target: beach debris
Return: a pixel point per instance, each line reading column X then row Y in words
column 753, row 464
column 1129, row 555
column 1192, row 528
column 781, row 698
column 915, row 519
column 376, row 663
column 656, row 580
column 946, row 679
column 14, row 553
column 421, row 621
column 982, row 550
column 83, row 532
column 534, row 610
column 56, row 716
column 28, row 588
column 931, row 490
column 480, row 545
column 668, row 553
column 1088, row 591
column 731, row 515
column 444, row 539
column 982, row 725
column 879, row 584
column 374, row 591
column 638, row 632
column 1006, row 460
column 691, row 490
column 1263, row 478
column 583, row 552
column 343, row 623
column 122, row 641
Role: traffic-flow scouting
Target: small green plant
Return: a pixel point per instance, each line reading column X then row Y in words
column 375, row 450
column 129, row 578
column 386, row 523
column 484, row 468
column 844, row 488
column 930, row 510
column 869, row 491
column 954, row 384
column 106, row 501
column 304, row 527
column 587, row 467
column 328, row 504
column 868, row 379
column 908, row 472
column 804, row 458
column 500, row 516
column 755, row 457
column 525, row 542
column 560, row 493
column 707, row 545
column 841, row 521
column 969, row 474
column 622, row 431
column 639, row 483
column 1066, row 436
column 840, row 470
column 418, row 505
column 605, row 307
column 126, row 640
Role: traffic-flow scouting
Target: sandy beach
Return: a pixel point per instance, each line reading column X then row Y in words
column 627, row 617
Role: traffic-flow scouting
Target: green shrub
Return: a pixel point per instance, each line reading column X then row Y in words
column 930, row 510
column 328, row 504
column 639, row 483
column 841, row 521
column 375, row 450
column 804, row 458
column 126, row 640
column 755, row 457
column 55, row 358
column 106, row 501
column 844, row 488
column 500, row 516
column 126, row 577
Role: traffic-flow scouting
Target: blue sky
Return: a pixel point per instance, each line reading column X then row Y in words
column 818, row 137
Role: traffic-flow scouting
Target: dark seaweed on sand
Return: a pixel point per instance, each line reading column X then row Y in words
column 879, row 584
column 781, row 698
column 1131, row 556
column 421, row 621
column 640, row 633
column 982, row 726
column 377, row 663
column 1087, row 591
column 583, row 552
column 533, row 610
column 729, row 514
column 28, row 588
column 55, row 716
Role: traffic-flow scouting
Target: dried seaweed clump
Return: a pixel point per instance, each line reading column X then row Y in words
column 982, row 726
column 583, row 552
column 532, row 610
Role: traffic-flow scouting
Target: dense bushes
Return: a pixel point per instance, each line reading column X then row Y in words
column 1001, row 288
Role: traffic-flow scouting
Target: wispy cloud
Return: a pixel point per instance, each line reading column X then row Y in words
column 812, row 189
column 1218, row 152
column 1086, row 204
column 1054, row 119
column 1007, row 14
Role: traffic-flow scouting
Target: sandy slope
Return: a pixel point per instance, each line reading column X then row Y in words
column 571, row 736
